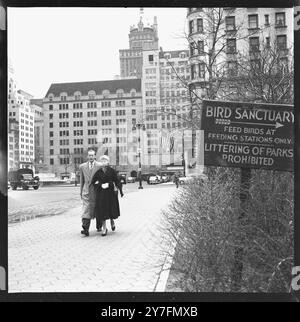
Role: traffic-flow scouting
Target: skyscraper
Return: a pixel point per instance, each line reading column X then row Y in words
column 141, row 37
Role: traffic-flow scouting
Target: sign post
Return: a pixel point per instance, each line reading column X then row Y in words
column 247, row 136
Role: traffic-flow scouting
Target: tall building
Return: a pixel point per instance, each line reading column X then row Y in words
column 165, row 105
column 37, row 105
column 141, row 37
column 20, row 125
column 98, row 115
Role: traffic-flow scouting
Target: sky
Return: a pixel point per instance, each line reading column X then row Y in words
column 54, row 45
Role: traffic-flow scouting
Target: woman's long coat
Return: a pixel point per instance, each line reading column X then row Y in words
column 106, row 200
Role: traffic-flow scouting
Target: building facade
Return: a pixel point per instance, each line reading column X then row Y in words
column 20, row 126
column 165, row 107
column 37, row 105
column 141, row 37
column 98, row 115
column 242, row 34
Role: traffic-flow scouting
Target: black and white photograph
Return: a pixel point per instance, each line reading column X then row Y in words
column 150, row 149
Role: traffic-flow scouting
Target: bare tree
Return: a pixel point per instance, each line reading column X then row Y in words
column 266, row 76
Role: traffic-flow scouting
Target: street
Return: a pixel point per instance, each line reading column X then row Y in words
column 49, row 254
column 52, row 200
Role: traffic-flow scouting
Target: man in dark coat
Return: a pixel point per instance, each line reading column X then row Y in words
column 106, row 184
column 87, row 171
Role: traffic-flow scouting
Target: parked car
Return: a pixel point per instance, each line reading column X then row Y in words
column 154, row 180
column 23, row 178
column 146, row 176
column 131, row 179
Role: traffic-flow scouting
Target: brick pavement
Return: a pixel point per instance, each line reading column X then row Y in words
column 50, row 255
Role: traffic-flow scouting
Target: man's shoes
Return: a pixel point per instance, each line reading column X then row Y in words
column 85, row 232
column 99, row 230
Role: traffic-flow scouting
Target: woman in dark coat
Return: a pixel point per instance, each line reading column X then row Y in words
column 106, row 184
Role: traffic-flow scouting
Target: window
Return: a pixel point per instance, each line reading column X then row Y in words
column 232, row 68
column 150, row 58
column 254, row 44
column 105, row 104
column 91, row 95
column 51, row 125
column 77, row 114
column 51, row 134
column 267, row 22
column 50, row 107
column 133, row 103
column 268, row 43
column 192, row 48
column 253, row 21
column 231, row 46
column 120, row 103
column 230, row 23
column 191, row 26
column 92, row 123
column 199, row 25
column 105, row 93
column 200, row 46
column 51, row 161
column 193, row 71
column 92, row 114
column 120, row 93
column 281, row 42
column 133, row 112
column 91, row 104
column 280, row 19
column 51, row 151
column 201, row 67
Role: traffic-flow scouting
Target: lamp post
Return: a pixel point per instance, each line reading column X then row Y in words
column 183, row 159
column 140, row 125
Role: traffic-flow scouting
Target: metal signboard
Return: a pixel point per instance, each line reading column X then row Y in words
column 248, row 135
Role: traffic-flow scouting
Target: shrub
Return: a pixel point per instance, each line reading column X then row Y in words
column 204, row 223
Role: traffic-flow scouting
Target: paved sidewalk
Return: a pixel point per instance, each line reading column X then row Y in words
column 50, row 255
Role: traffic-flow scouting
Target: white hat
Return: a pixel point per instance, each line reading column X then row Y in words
column 104, row 157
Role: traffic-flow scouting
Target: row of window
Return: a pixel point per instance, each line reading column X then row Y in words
column 26, row 134
column 65, row 106
column 254, row 44
column 253, row 22
column 178, row 70
column 92, row 95
column 27, row 147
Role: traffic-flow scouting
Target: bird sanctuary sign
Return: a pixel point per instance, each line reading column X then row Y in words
column 248, row 135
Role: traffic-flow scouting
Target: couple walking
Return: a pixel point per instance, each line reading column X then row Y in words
column 99, row 185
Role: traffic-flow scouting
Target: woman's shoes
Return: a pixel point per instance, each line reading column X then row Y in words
column 104, row 232
column 113, row 226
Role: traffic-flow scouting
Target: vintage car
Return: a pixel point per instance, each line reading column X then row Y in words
column 23, row 178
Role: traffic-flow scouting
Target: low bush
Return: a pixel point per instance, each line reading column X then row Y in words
column 204, row 222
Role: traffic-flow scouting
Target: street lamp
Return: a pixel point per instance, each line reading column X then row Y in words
column 183, row 159
column 139, row 126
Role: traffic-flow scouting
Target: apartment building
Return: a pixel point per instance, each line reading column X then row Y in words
column 242, row 33
column 98, row 115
